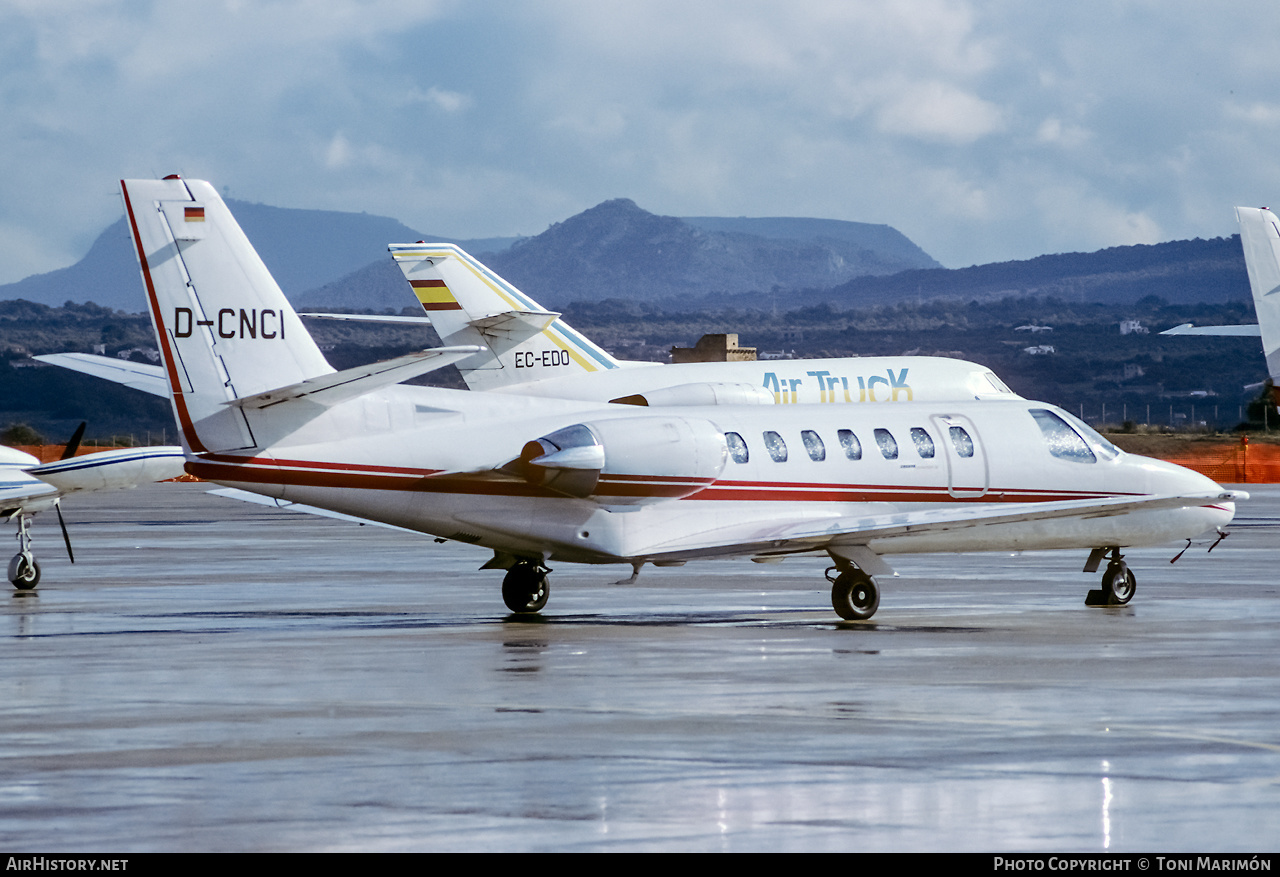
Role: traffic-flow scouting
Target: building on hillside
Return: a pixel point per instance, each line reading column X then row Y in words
column 714, row 348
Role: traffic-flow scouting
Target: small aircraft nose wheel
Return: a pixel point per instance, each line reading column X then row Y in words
column 854, row 595
column 24, row 572
column 1120, row 583
column 526, row 587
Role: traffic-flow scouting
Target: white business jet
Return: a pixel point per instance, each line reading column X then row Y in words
column 28, row 487
column 528, row 350
column 545, row 479
column 1260, row 239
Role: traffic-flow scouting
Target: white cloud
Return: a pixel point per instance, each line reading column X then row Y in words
column 1259, row 113
column 954, row 120
column 938, row 111
column 1053, row 131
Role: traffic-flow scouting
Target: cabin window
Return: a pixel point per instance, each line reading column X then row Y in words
column 923, row 441
column 888, row 444
column 813, row 445
column 1064, row 442
column 849, row 441
column 961, row 441
column 737, row 447
column 776, row 447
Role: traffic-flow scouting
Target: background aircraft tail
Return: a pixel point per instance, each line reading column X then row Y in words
column 1260, row 237
column 225, row 329
column 469, row 304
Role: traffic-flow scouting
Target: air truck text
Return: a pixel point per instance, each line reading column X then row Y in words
column 823, row 386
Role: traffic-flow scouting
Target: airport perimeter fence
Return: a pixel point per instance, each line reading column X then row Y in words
column 1231, row 462
column 1184, row 416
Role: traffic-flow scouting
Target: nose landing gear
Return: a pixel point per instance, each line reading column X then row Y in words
column 1118, row 582
column 24, row 570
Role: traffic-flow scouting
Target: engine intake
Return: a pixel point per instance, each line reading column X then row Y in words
column 627, row 461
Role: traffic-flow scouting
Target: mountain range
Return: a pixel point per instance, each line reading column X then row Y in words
column 618, row 251
column 302, row 248
column 614, row 249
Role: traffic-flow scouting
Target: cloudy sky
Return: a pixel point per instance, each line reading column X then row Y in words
column 982, row 130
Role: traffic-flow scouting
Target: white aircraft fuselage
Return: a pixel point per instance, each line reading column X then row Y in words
column 538, row 479
column 669, row 488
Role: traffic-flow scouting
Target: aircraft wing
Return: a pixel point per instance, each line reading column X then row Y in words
column 1251, row 330
column 138, row 375
column 851, row 532
column 259, row 499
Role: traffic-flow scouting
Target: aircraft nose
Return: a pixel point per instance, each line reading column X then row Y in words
column 1170, row 478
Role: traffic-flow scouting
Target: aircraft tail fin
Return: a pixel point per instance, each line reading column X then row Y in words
column 1260, row 238
column 470, row 304
column 224, row 328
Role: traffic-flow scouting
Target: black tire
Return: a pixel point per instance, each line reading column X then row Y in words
column 855, row 596
column 1120, row 582
column 24, row 575
column 525, row 588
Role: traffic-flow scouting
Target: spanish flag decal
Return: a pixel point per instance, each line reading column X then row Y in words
column 193, row 214
column 435, row 295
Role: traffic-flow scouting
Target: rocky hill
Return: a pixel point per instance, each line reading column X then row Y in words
column 617, row 250
column 1180, row 272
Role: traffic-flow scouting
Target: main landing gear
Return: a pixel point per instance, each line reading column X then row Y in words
column 526, row 587
column 1118, row 581
column 24, row 569
column 854, row 594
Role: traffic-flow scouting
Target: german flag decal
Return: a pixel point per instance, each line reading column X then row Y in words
column 193, row 214
column 435, row 295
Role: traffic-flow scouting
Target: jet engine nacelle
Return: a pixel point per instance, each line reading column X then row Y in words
column 704, row 393
column 628, row 461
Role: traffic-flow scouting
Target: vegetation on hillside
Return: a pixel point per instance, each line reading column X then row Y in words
column 1142, row 378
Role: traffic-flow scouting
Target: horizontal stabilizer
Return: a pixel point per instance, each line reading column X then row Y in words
column 1252, row 330
column 371, row 318
column 330, row 389
column 515, row 326
column 136, row 375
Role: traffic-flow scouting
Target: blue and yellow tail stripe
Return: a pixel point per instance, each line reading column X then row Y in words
column 580, row 350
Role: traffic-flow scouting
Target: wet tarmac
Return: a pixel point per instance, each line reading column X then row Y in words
column 212, row 675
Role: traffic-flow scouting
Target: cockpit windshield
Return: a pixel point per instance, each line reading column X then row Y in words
column 1071, row 439
column 1103, row 448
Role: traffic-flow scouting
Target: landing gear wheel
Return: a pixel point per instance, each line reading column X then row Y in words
column 526, row 587
column 24, row 572
column 854, row 595
column 1120, row 583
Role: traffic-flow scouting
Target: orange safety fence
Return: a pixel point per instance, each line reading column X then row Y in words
column 49, row 453
column 1231, row 462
